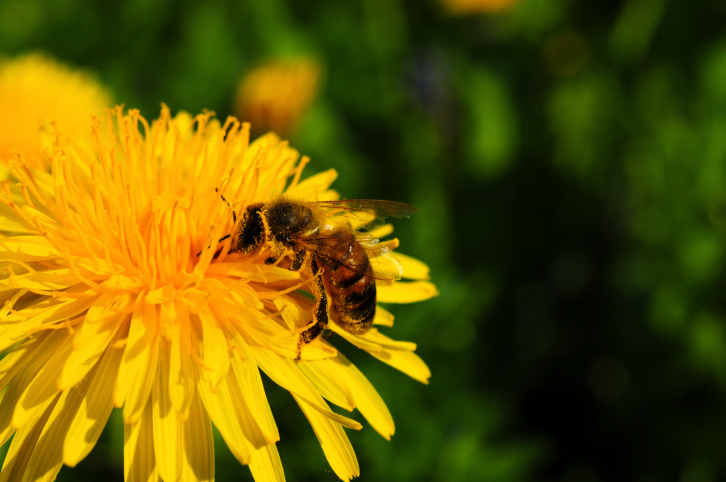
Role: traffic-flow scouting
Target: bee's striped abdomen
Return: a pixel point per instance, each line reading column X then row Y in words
column 351, row 286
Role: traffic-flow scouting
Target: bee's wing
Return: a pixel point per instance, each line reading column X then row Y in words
column 366, row 213
column 336, row 246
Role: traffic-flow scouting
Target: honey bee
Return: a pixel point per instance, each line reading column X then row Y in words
column 301, row 237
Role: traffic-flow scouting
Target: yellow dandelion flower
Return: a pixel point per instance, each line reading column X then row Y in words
column 36, row 91
column 119, row 292
column 275, row 95
column 464, row 7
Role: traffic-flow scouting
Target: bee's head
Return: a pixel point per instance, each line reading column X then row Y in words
column 251, row 233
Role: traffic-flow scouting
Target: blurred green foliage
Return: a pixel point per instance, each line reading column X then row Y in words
column 569, row 162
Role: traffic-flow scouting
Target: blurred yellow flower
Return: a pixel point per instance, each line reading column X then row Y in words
column 113, row 296
column 36, row 91
column 463, row 7
column 275, row 95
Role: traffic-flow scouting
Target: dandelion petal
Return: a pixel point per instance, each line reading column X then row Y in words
column 285, row 373
column 407, row 362
column 330, row 387
column 335, row 443
column 138, row 366
column 216, row 354
column 250, row 382
column 198, row 452
column 222, row 409
column 47, row 457
column 412, row 268
column 94, row 411
column 181, row 379
column 22, row 447
column 266, row 465
column 43, row 387
column 407, row 292
column 139, row 461
column 366, row 398
column 168, row 443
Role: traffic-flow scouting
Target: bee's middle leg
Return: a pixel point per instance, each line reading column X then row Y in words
column 320, row 314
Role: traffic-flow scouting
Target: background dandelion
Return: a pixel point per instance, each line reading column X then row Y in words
column 568, row 160
column 44, row 95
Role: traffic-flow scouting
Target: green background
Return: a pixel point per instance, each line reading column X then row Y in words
column 569, row 162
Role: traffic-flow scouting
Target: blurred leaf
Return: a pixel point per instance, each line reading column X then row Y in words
column 708, row 343
column 713, row 75
column 635, row 28
column 701, row 256
column 492, row 128
column 582, row 112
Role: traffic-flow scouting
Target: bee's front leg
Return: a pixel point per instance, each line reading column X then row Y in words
column 297, row 262
column 320, row 314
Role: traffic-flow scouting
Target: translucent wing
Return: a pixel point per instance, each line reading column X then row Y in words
column 346, row 249
column 365, row 213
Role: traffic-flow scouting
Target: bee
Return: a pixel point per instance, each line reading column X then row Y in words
column 302, row 236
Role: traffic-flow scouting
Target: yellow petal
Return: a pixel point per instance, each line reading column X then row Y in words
column 168, row 443
column 27, row 248
column 332, row 388
column 222, row 410
column 47, row 457
column 366, row 398
column 215, row 349
column 252, row 272
column 9, row 220
column 285, row 373
column 413, row 268
column 243, row 294
column 335, row 443
column 22, row 447
column 17, row 359
column 248, row 378
column 198, row 454
column 386, row 267
column 355, row 339
column 44, row 313
column 90, row 340
column 312, row 187
column 139, row 461
column 262, row 331
column 291, row 312
column 383, row 317
column 378, row 338
column 405, row 361
column 57, row 279
column 381, row 231
column 18, row 386
column 181, row 376
column 94, row 411
column 138, row 367
column 266, row 465
column 43, row 387
column 407, row 292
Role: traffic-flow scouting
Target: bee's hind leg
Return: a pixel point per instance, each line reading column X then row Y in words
column 320, row 314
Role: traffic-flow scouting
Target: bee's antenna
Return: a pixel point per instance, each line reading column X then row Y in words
column 234, row 218
column 234, row 214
